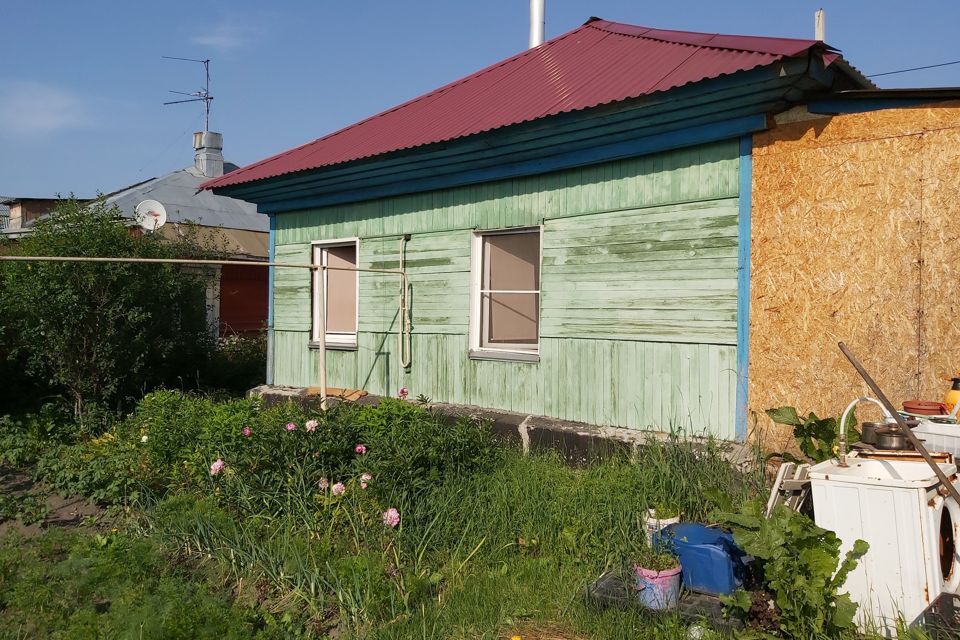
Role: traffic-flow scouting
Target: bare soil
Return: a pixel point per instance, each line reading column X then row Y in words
column 63, row 511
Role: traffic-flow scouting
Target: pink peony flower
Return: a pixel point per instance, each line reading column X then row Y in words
column 291, row 426
column 338, row 489
column 323, row 484
column 246, row 432
column 217, row 466
column 366, row 477
column 360, row 448
column 310, row 425
column 391, row 517
column 403, row 393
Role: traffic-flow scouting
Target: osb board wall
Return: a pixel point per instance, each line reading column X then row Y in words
column 855, row 237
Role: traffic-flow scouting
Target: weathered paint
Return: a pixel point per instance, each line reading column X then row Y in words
column 639, row 292
column 743, row 287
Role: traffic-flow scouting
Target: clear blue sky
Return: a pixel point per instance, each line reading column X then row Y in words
column 82, row 83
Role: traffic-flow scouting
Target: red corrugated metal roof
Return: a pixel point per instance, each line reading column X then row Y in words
column 595, row 64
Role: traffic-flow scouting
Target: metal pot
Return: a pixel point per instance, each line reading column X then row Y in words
column 868, row 432
column 892, row 439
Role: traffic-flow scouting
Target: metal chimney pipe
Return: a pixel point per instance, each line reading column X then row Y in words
column 536, row 22
column 820, row 25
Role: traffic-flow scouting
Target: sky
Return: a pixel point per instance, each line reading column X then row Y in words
column 82, row 84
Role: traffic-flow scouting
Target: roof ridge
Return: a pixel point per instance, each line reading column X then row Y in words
column 639, row 31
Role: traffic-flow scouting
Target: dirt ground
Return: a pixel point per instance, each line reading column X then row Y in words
column 61, row 511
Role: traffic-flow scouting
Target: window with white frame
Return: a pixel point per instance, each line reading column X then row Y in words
column 341, row 284
column 505, row 306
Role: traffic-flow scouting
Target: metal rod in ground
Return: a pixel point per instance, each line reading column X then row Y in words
column 952, row 490
column 321, row 287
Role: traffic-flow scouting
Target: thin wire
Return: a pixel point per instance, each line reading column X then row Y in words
column 176, row 139
column 929, row 66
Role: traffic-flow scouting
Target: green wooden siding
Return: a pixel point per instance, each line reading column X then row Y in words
column 638, row 308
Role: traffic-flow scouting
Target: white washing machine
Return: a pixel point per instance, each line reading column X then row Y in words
column 897, row 505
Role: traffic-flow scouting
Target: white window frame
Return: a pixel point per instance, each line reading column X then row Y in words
column 334, row 340
column 531, row 354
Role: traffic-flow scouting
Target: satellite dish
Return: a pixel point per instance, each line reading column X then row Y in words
column 150, row 215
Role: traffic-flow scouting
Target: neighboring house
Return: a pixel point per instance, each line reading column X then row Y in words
column 22, row 212
column 4, row 213
column 238, row 295
column 574, row 222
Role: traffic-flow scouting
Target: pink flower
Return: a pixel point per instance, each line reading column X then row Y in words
column 363, row 485
column 246, row 431
column 323, row 484
column 360, row 448
column 338, row 489
column 291, row 426
column 217, row 466
column 403, row 393
column 391, row 517
column 311, row 426
column 366, row 477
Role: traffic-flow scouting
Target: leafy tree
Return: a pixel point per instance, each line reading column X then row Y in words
column 103, row 332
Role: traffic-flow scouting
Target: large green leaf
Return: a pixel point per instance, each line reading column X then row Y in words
column 785, row 415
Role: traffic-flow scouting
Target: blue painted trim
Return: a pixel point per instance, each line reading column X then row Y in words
column 841, row 105
column 743, row 285
column 689, row 136
column 272, row 257
column 503, row 149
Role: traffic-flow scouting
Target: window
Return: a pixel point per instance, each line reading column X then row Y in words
column 341, row 301
column 505, row 309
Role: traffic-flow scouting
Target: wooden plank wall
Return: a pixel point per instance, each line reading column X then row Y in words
column 639, row 292
column 855, row 238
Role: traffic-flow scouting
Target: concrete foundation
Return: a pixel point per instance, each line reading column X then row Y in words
column 578, row 442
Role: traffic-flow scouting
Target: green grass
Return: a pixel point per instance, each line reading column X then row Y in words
column 476, row 554
column 67, row 584
column 491, row 544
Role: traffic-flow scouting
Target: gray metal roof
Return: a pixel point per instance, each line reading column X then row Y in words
column 177, row 192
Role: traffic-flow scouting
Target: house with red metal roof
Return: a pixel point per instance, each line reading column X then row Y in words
column 572, row 223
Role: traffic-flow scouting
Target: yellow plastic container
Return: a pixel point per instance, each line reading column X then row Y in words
column 953, row 395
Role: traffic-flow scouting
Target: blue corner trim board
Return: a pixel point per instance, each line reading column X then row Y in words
column 743, row 284
column 272, row 257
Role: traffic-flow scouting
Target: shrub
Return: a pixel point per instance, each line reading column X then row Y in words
column 106, row 470
column 103, row 332
column 410, row 449
column 238, row 364
column 801, row 568
column 22, row 440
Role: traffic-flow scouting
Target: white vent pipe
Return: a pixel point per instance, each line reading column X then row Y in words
column 536, row 22
column 820, row 25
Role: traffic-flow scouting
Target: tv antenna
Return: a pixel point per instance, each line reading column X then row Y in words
column 201, row 95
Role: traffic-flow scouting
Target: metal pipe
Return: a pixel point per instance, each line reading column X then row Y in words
column 842, row 446
column 242, row 263
column 314, row 268
column 404, row 309
column 319, row 276
column 536, row 22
